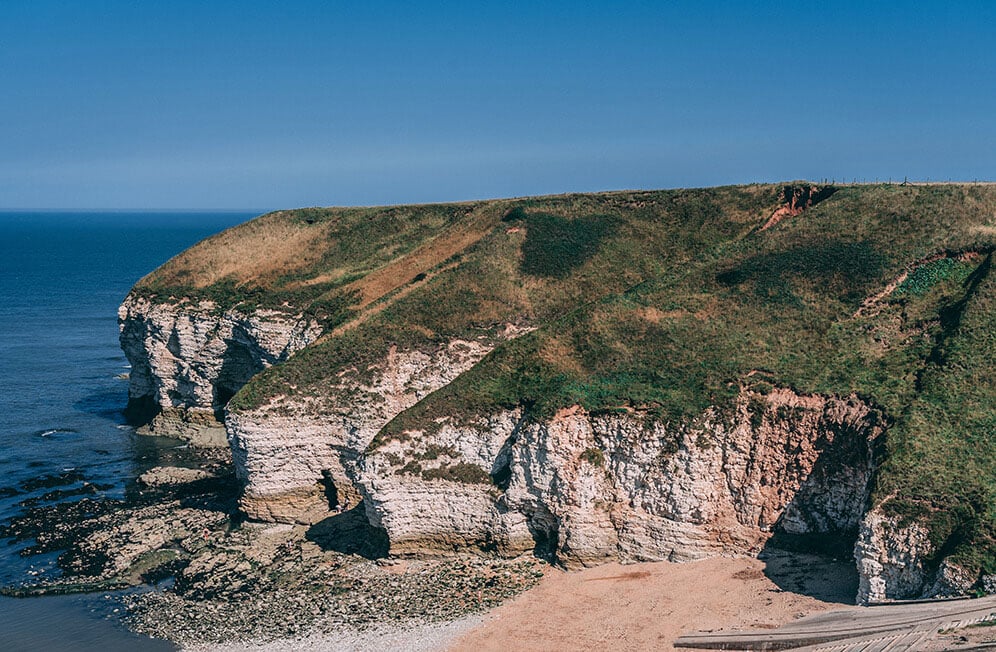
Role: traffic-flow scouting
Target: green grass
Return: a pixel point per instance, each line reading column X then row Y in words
column 459, row 472
column 925, row 277
column 943, row 447
column 834, row 266
column 490, row 283
column 297, row 260
column 661, row 304
column 785, row 301
column 555, row 246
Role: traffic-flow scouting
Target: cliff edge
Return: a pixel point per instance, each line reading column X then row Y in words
column 597, row 377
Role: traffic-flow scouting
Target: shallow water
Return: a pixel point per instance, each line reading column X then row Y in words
column 62, row 390
column 70, row 623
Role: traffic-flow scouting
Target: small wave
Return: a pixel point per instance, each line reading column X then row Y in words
column 55, row 431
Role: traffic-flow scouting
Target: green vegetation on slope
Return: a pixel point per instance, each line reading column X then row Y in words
column 311, row 260
column 788, row 301
column 943, row 450
column 622, row 240
column 783, row 301
column 664, row 303
column 555, row 245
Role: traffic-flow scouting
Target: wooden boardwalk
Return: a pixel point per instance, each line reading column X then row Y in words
column 884, row 628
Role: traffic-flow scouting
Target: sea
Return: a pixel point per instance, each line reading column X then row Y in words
column 63, row 387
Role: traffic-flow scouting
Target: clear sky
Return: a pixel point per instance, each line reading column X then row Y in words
column 242, row 104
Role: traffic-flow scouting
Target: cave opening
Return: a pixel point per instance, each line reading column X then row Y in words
column 815, row 535
column 330, row 490
column 141, row 410
column 545, row 530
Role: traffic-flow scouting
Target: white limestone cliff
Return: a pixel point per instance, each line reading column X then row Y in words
column 292, row 452
column 189, row 358
column 894, row 558
column 593, row 488
column 583, row 488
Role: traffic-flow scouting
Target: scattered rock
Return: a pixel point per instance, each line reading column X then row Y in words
column 226, row 575
column 169, row 475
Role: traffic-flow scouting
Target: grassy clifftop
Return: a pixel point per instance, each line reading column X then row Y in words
column 663, row 303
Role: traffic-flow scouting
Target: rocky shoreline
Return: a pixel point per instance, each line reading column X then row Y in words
column 324, row 598
column 219, row 579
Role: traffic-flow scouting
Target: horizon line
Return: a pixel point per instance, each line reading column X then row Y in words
column 830, row 181
column 136, row 209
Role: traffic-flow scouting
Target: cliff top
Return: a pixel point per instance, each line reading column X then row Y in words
column 662, row 303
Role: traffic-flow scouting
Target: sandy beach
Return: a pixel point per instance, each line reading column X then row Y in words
column 616, row 606
column 646, row 606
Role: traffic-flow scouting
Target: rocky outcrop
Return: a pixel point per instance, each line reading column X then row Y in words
column 188, row 359
column 897, row 560
column 579, row 487
column 159, row 476
column 891, row 558
column 295, row 454
column 588, row 488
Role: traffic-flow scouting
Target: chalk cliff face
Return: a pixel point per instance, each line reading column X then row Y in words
column 582, row 488
column 188, row 359
column 587, row 489
column 296, row 455
column 896, row 560
column 644, row 304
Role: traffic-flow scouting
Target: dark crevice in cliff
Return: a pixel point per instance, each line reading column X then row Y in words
column 350, row 533
column 141, row 410
column 951, row 317
column 238, row 366
column 823, row 518
column 330, row 490
column 544, row 526
column 501, row 470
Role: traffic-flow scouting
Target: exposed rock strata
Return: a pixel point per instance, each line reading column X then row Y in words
column 580, row 487
column 591, row 488
column 588, row 487
column 188, row 359
column 894, row 562
column 295, row 455
column 796, row 199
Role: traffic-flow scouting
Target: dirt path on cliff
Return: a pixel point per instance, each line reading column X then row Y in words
column 401, row 271
column 646, row 606
column 399, row 275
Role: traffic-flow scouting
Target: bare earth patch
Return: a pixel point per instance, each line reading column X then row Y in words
column 392, row 276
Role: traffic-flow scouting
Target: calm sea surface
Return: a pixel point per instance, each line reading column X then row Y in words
column 62, row 277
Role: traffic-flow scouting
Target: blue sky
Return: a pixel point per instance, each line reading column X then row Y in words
column 223, row 104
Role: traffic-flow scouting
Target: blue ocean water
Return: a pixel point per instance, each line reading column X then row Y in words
column 62, row 387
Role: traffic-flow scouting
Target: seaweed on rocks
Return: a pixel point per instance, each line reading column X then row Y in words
column 108, row 542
